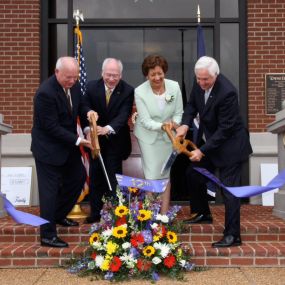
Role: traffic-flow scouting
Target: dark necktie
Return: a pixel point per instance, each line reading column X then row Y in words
column 108, row 95
column 69, row 102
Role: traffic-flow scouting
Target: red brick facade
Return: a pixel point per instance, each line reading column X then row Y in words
column 20, row 61
column 266, row 54
column 20, row 58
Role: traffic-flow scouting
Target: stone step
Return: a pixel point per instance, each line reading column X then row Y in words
column 263, row 237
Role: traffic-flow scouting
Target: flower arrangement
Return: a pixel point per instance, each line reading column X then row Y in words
column 133, row 240
column 169, row 98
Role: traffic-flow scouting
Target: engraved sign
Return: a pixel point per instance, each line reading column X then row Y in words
column 274, row 92
column 16, row 184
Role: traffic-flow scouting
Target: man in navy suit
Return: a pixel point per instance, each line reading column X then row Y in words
column 223, row 144
column 112, row 98
column 55, row 146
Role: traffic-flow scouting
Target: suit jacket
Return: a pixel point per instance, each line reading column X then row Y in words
column 54, row 129
column 227, row 139
column 150, row 118
column 116, row 114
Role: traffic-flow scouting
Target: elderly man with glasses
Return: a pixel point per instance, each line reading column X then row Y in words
column 112, row 98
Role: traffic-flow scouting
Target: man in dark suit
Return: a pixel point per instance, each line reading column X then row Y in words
column 55, row 142
column 112, row 98
column 223, row 144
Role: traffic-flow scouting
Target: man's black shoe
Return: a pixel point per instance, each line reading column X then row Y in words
column 200, row 219
column 67, row 223
column 53, row 242
column 228, row 241
column 92, row 220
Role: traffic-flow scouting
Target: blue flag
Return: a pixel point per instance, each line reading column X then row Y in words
column 201, row 50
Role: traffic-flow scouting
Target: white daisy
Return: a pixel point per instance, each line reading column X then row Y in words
column 99, row 260
column 162, row 218
column 162, row 248
column 126, row 245
column 156, row 260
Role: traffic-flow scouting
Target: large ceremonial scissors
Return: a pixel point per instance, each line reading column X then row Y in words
column 95, row 153
column 179, row 146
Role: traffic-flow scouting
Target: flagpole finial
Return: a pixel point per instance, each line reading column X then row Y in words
column 198, row 14
column 77, row 16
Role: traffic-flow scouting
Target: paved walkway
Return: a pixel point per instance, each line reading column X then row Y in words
column 212, row 276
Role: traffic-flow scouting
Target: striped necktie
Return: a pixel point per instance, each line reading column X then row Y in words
column 69, row 102
column 108, row 95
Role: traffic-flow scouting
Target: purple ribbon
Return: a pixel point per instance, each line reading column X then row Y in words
column 156, row 186
column 22, row 217
column 246, row 191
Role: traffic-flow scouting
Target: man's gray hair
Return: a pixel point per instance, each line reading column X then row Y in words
column 64, row 59
column 209, row 63
column 107, row 60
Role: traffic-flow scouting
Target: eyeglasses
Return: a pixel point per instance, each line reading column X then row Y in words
column 109, row 75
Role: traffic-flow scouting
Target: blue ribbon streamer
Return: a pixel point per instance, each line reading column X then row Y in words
column 22, row 217
column 246, row 191
column 155, row 186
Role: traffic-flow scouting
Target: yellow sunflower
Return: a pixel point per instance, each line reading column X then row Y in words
column 121, row 211
column 171, row 236
column 144, row 215
column 133, row 189
column 94, row 237
column 156, row 237
column 148, row 251
column 120, row 232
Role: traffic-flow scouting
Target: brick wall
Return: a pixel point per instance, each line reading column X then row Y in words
column 266, row 54
column 20, row 58
column 19, row 61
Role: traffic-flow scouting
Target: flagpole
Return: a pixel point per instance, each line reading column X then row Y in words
column 198, row 14
column 77, row 212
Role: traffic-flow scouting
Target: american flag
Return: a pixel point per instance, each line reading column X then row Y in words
column 78, row 54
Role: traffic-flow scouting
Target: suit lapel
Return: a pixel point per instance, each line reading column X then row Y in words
column 62, row 97
column 169, row 93
column 151, row 100
column 209, row 101
column 115, row 97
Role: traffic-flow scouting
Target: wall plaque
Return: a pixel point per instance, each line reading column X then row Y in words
column 274, row 92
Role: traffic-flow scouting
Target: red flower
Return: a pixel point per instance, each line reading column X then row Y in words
column 137, row 239
column 121, row 221
column 169, row 261
column 115, row 265
column 143, row 265
column 93, row 255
